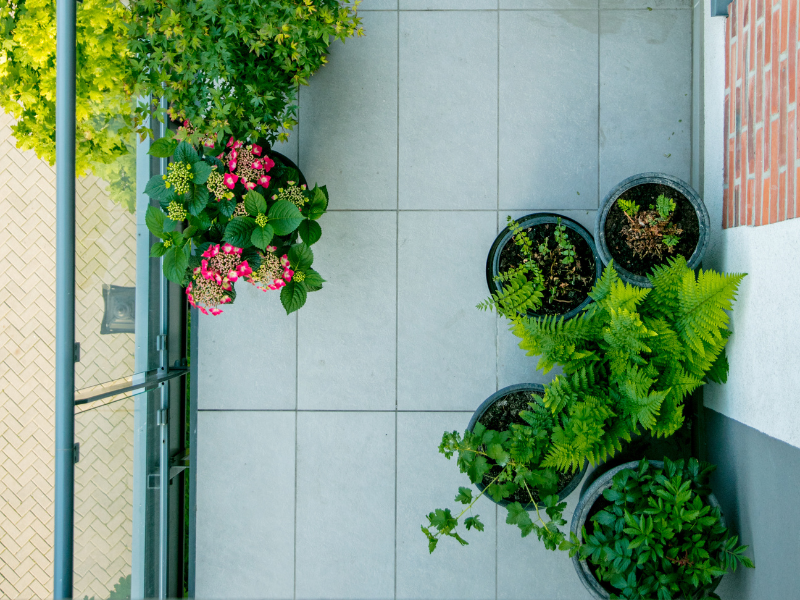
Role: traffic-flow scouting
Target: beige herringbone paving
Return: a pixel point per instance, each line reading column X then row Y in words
column 105, row 242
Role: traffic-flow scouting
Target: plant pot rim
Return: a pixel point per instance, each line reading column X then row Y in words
column 584, row 507
column 540, row 218
column 521, row 387
column 703, row 221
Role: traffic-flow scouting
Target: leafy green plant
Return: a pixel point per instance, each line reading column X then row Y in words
column 104, row 81
column 631, row 358
column 657, row 537
column 650, row 232
column 244, row 218
column 232, row 68
column 512, row 459
column 520, row 288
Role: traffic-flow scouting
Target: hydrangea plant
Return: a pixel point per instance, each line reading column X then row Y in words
column 234, row 212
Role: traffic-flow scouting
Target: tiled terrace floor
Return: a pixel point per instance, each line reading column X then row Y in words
column 318, row 432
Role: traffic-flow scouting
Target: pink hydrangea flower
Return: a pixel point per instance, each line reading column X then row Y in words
column 263, row 181
column 233, row 155
column 250, row 185
column 215, row 311
column 268, row 163
column 232, row 165
column 209, row 143
column 243, row 270
column 230, row 180
column 284, row 260
column 220, row 156
column 287, row 274
column 271, row 248
column 256, row 150
column 228, row 248
column 232, row 276
column 257, row 164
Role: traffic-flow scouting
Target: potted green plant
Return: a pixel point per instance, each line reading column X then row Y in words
column 233, row 69
column 542, row 264
column 652, row 529
column 647, row 219
column 631, row 358
column 501, row 452
column 234, row 211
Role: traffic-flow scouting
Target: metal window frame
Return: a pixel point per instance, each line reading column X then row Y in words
column 719, row 8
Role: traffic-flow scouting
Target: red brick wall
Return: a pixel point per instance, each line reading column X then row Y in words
column 761, row 167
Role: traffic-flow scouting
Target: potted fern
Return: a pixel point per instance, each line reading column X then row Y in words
column 542, row 264
column 652, row 529
column 631, row 358
column 647, row 219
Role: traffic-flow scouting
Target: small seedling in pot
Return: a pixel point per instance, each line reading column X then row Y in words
column 559, row 265
column 651, row 232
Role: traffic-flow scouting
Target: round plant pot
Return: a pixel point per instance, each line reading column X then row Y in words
column 689, row 203
column 533, row 220
column 285, row 161
column 584, row 509
column 496, row 397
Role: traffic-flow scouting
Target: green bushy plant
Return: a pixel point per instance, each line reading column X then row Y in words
column 631, row 358
column 657, row 536
column 232, row 68
column 104, row 79
column 516, row 456
column 245, row 218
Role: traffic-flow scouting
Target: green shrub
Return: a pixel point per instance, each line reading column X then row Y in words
column 103, row 78
column 658, row 537
column 232, row 68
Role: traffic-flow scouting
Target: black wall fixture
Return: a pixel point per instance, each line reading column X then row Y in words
column 120, row 309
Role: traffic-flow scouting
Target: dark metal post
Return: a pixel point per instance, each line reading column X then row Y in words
column 65, row 297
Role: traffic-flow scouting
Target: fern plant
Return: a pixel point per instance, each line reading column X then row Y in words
column 630, row 359
column 521, row 287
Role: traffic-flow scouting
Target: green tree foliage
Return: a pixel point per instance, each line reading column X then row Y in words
column 631, row 358
column 103, row 79
column 233, row 67
column 658, row 537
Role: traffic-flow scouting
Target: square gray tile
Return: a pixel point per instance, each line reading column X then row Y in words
column 446, row 346
column 252, row 335
column 548, row 125
column 448, row 110
column 426, row 480
column 645, row 94
column 645, row 4
column 368, row 5
column 345, row 505
column 448, row 4
column 348, row 115
column 526, row 569
column 346, row 339
column 540, row 4
column 245, row 505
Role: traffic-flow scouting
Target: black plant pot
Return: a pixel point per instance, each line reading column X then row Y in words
column 505, row 236
column 684, row 189
column 286, row 162
column 499, row 395
column 584, row 509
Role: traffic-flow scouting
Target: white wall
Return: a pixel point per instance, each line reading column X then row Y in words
column 763, row 388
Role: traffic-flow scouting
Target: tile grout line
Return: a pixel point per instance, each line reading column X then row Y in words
column 396, row 295
column 597, row 201
column 497, row 317
column 296, row 385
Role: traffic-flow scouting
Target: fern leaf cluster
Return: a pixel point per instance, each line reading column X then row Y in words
column 631, row 358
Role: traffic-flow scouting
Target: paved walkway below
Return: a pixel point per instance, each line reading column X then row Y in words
column 318, row 433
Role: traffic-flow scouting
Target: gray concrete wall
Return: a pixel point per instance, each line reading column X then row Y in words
column 757, row 483
column 762, row 388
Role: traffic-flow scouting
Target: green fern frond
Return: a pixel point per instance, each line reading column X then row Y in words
column 515, row 298
column 554, row 339
column 626, row 296
column 718, row 373
column 666, row 280
column 702, row 305
column 670, row 420
column 603, row 286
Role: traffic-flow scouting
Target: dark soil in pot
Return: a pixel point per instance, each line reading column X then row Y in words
column 644, row 195
column 575, row 280
column 499, row 417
